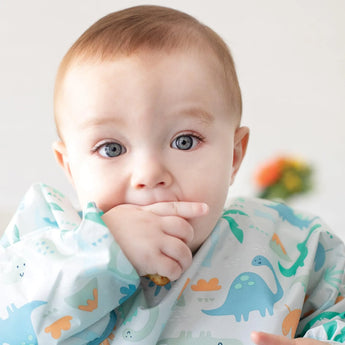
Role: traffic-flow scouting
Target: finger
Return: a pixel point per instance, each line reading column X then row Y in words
column 262, row 338
column 182, row 209
column 169, row 268
column 178, row 227
column 177, row 251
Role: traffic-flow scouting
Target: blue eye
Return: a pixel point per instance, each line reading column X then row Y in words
column 185, row 142
column 111, row 150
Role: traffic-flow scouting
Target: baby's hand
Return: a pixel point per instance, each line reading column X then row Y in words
column 155, row 237
column 261, row 338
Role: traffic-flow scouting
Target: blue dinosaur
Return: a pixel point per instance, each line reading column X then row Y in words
column 286, row 213
column 249, row 292
column 18, row 328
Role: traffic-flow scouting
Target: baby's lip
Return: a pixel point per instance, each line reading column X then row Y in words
column 149, row 199
column 151, row 202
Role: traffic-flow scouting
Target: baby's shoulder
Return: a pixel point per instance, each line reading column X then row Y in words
column 269, row 214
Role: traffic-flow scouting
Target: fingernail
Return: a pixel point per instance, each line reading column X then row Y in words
column 204, row 207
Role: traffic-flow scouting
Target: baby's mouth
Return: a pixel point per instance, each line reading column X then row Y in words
column 146, row 200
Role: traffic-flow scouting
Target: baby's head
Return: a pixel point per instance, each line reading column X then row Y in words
column 144, row 29
column 148, row 107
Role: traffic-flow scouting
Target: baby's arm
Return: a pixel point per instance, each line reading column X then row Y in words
column 67, row 271
column 155, row 238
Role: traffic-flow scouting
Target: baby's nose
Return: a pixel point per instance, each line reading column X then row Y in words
column 150, row 173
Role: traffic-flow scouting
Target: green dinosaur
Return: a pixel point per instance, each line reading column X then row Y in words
column 303, row 249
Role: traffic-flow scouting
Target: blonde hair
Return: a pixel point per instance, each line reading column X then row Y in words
column 152, row 28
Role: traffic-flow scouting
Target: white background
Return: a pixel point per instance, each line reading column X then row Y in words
column 290, row 57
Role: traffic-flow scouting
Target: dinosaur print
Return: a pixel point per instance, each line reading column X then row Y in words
column 291, row 321
column 17, row 328
column 303, row 249
column 326, row 315
column 331, row 328
column 333, row 276
column 287, row 213
column 56, row 328
column 11, row 235
column 249, row 292
column 86, row 298
column 277, row 246
column 203, row 339
column 320, row 257
column 238, row 233
column 134, row 336
column 13, row 271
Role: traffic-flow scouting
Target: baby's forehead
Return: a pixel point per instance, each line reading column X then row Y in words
column 101, row 81
column 145, row 58
column 142, row 60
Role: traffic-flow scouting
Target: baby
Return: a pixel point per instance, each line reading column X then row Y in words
column 148, row 111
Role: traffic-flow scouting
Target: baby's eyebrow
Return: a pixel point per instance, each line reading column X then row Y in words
column 101, row 121
column 197, row 113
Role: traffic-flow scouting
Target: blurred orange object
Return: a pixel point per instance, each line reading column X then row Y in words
column 282, row 177
column 270, row 173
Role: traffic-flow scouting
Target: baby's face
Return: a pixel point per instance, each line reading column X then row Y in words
column 149, row 128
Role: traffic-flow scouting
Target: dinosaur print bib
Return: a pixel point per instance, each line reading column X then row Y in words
column 265, row 267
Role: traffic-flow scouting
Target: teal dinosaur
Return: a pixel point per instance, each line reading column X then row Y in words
column 249, row 292
column 133, row 335
column 203, row 339
column 303, row 249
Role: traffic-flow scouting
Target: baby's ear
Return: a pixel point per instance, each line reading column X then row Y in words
column 61, row 156
column 240, row 148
